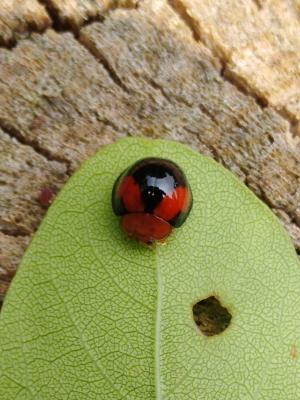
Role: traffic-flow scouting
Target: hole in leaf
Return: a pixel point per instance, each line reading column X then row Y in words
column 211, row 317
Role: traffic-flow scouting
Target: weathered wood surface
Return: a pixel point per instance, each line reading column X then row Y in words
column 258, row 42
column 19, row 17
column 155, row 70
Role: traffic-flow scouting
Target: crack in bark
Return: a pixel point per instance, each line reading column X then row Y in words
column 16, row 36
column 62, row 23
column 59, row 27
column 225, row 73
column 240, row 86
column 53, row 14
column 13, row 132
column 99, row 56
column 291, row 120
column 15, row 231
column 189, row 21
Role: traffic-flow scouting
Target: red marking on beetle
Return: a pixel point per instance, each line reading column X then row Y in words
column 172, row 204
column 129, row 192
column 46, row 197
column 145, row 227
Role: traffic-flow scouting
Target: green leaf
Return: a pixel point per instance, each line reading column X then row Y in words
column 93, row 315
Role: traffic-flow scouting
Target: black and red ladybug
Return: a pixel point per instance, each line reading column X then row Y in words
column 152, row 196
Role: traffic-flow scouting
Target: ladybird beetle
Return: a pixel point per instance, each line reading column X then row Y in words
column 151, row 196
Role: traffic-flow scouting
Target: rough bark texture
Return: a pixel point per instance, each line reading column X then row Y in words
column 179, row 70
column 74, row 13
column 258, row 43
column 19, row 17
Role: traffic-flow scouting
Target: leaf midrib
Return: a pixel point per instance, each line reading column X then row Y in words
column 157, row 329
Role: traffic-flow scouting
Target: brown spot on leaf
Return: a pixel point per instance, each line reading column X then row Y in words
column 294, row 351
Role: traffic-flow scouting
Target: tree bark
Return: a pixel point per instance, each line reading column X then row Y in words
column 220, row 76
